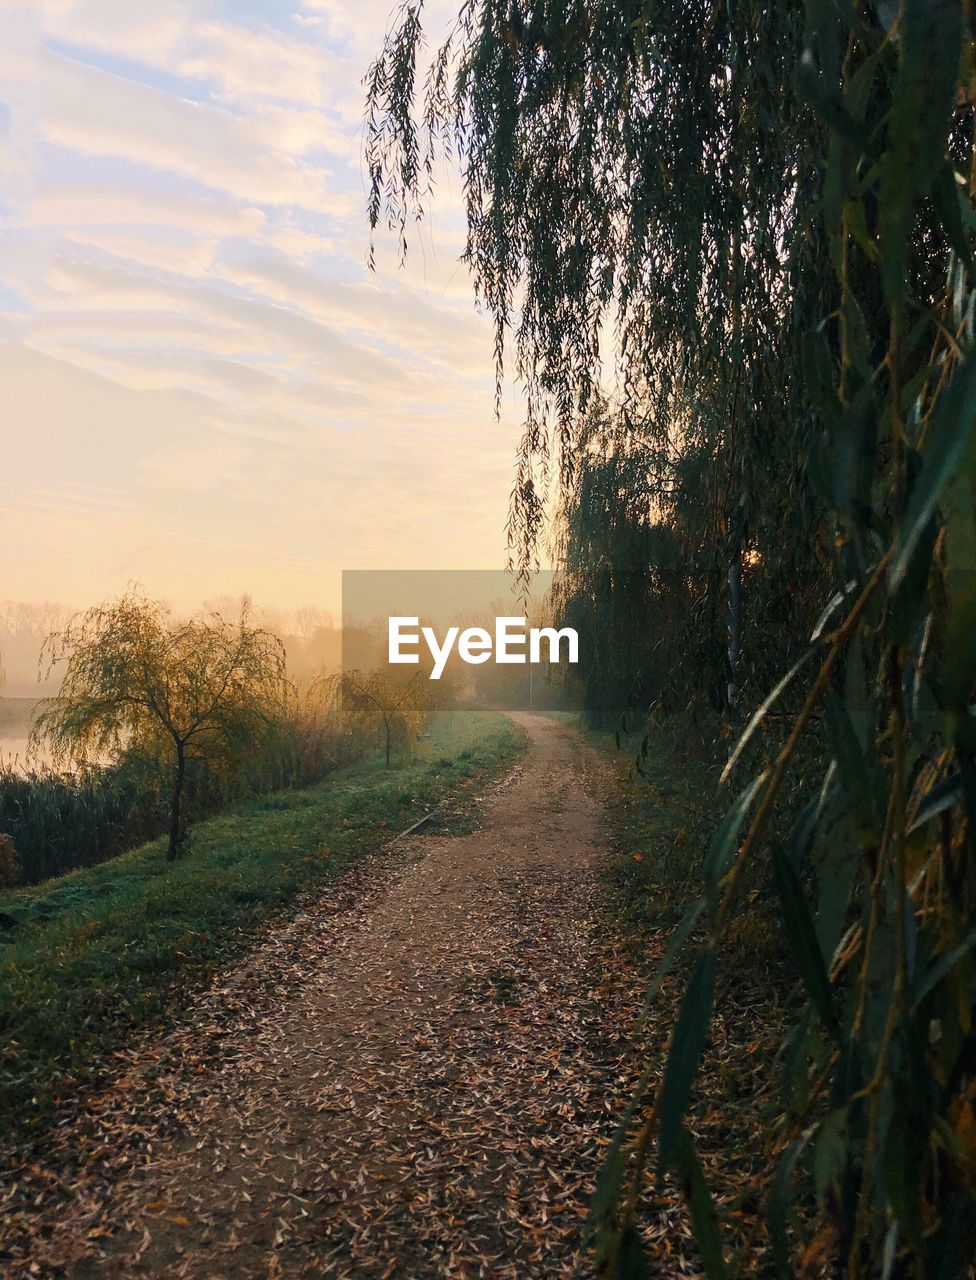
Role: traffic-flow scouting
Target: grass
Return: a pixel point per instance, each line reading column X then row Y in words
column 658, row 827
column 659, row 823
column 87, row 959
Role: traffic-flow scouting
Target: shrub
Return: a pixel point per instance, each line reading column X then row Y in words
column 9, row 863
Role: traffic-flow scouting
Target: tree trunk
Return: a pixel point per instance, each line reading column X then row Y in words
column 389, row 736
column 735, row 626
column 176, row 808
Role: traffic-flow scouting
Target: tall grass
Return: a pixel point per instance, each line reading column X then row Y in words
column 61, row 821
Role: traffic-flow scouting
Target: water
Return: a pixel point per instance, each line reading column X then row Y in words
column 15, row 719
column 12, row 748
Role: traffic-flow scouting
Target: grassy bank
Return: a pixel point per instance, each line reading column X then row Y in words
column 663, row 807
column 660, row 821
column 658, row 827
column 63, row 819
column 88, row 958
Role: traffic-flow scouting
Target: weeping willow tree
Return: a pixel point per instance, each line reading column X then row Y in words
column 635, row 175
column 623, row 583
column 175, row 692
column 769, row 210
column 660, row 614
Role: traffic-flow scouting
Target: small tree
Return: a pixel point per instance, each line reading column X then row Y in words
column 200, row 689
column 374, row 701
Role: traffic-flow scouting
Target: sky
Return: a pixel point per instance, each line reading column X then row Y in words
column 204, row 388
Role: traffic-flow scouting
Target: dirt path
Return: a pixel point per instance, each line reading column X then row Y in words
column 410, row 1080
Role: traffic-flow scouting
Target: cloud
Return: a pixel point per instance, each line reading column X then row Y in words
column 120, row 206
column 185, row 255
column 97, row 113
column 433, row 329
column 208, row 510
column 258, row 326
column 361, row 26
column 246, row 66
column 151, row 34
column 201, row 467
column 349, row 332
column 295, row 242
column 242, row 63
